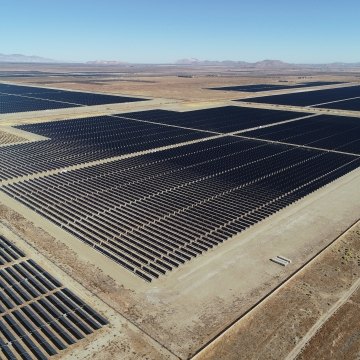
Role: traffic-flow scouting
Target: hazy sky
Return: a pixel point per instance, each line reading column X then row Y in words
column 161, row 31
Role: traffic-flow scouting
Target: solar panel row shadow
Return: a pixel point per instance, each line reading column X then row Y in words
column 152, row 213
column 14, row 98
column 324, row 131
column 79, row 141
column 223, row 120
column 310, row 98
column 272, row 87
column 38, row 316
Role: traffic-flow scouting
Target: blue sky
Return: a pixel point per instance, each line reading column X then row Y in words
column 159, row 31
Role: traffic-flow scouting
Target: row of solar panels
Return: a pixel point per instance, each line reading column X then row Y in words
column 22, row 282
column 46, row 326
column 8, row 251
column 38, row 316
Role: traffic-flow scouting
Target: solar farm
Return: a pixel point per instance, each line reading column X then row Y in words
column 130, row 219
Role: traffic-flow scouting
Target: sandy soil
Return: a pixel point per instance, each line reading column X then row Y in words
column 187, row 83
column 339, row 338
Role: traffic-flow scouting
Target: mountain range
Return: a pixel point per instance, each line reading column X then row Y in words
column 264, row 64
column 19, row 58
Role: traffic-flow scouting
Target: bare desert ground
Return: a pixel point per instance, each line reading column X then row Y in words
column 296, row 307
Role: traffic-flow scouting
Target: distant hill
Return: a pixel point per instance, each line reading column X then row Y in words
column 260, row 64
column 106, row 62
column 19, row 58
column 264, row 64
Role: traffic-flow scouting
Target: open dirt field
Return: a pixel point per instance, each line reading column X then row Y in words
column 339, row 337
column 293, row 309
column 186, row 83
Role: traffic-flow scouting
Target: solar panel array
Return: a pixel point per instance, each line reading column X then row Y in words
column 222, row 120
column 85, row 74
column 310, row 98
column 13, row 104
column 154, row 212
column 21, row 74
column 272, row 87
column 15, row 98
column 325, row 131
column 351, row 105
column 73, row 142
column 39, row 318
